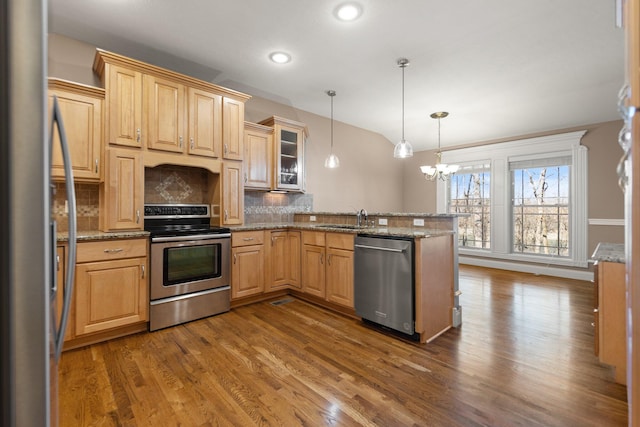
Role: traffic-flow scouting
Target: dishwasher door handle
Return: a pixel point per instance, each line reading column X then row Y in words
column 378, row 248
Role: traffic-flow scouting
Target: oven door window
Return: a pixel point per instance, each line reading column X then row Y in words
column 191, row 263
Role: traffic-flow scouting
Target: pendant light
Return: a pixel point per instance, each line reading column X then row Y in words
column 332, row 161
column 403, row 149
column 440, row 170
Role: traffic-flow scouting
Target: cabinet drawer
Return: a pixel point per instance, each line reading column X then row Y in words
column 111, row 249
column 315, row 238
column 247, row 238
column 340, row 241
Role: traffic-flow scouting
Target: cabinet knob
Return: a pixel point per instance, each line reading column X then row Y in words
column 180, row 141
column 191, row 142
column 137, row 216
column 113, row 251
column 138, row 135
column 142, row 268
column 226, row 214
column 226, row 148
column 96, row 165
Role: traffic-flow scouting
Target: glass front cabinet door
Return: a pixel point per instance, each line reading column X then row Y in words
column 289, row 138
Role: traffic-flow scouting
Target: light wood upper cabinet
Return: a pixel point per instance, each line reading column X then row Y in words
column 111, row 290
column 123, row 116
column 232, row 193
column 121, row 196
column 258, row 157
column 81, row 110
column 164, row 114
column 205, row 123
column 232, row 128
column 288, row 162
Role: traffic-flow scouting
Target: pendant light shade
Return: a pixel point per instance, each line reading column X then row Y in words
column 403, row 149
column 332, row 161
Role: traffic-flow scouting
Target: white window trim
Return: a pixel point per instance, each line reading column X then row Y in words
column 500, row 154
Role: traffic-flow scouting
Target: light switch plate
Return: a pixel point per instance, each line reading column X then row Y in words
column 382, row 221
column 418, row 222
column 312, row 218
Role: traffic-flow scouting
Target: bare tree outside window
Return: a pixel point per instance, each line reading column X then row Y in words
column 541, row 210
column 469, row 193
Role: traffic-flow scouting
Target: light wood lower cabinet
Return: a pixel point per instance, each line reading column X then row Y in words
column 283, row 260
column 111, row 289
column 61, row 265
column 327, row 266
column 609, row 317
column 247, row 264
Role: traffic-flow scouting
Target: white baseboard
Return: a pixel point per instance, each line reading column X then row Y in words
column 566, row 273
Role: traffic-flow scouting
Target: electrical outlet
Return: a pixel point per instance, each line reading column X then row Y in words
column 312, row 218
column 382, row 221
column 418, row 222
column 66, row 206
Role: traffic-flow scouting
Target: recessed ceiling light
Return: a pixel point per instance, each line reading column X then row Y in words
column 348, row 11
column 280, row 57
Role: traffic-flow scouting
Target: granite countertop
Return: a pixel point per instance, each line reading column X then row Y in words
column 63, row 237
column 393, row 214
column 609, row 252
column 339, row 228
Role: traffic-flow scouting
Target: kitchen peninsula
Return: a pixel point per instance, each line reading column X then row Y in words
column 311, row 258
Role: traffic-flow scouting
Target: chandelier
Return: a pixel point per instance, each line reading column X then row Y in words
column 440, row 170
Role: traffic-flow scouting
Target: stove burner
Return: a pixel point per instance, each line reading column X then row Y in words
column 179, row 220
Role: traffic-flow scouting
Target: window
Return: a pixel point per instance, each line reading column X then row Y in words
column 525, row 200
column 469, row 193
column 540, row 207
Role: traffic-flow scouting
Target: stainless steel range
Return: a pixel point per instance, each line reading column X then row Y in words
column 190, row 264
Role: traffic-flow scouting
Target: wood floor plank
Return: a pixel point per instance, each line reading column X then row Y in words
column 522, row 357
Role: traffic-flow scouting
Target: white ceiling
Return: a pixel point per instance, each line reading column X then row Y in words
column 500, row 67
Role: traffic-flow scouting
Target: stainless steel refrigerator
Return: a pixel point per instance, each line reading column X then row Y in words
column 28, row 336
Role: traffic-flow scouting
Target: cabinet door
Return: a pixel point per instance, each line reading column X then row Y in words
column 110, row 294
column 232, row 128
column 232, row 193
column 247, row 271
column 289, row 162
column 82, row 117
column 293, row 263
column 121, row 196
column 258, row 159
column 340, row 276
column 164, row 114
column 124, row 106
column 313, row 270
column 205, row 123
column 278, row 261
column 60, row 277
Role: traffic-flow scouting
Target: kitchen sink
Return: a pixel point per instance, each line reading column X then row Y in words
column 345, row 226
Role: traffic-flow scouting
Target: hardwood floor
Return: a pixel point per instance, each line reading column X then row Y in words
column 523, row 356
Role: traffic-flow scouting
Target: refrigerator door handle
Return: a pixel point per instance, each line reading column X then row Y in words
column 59, row 330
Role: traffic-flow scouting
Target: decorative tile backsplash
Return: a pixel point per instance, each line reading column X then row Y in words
column 274, row 207
column 87, row 207
column 175, row 184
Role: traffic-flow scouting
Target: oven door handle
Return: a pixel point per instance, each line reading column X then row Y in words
column 188, row 238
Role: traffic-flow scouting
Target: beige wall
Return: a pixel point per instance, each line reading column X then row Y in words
column 606, row 200
column 369, row 177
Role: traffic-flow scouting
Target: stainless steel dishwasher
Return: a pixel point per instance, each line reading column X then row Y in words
column 384, row 290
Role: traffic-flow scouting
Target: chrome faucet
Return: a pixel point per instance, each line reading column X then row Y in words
column 361, row 217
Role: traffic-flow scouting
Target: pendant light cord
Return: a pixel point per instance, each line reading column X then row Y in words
column 403, row 67
column 332, row 95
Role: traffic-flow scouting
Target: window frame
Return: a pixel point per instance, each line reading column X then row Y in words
column 500, row 155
